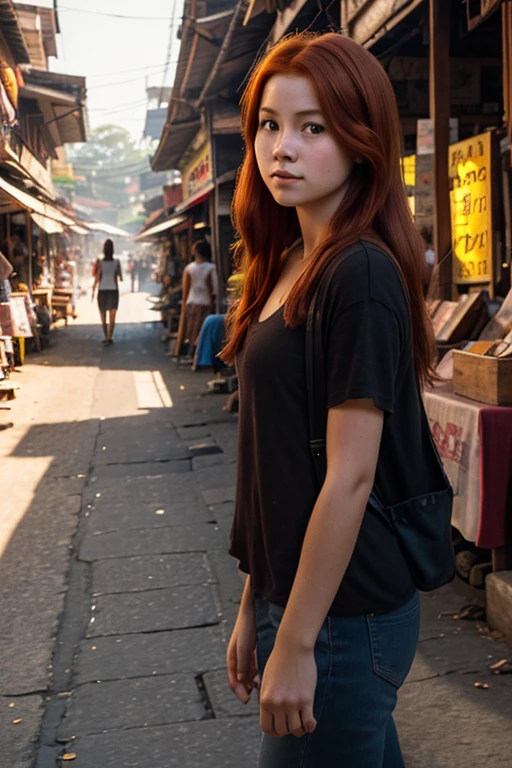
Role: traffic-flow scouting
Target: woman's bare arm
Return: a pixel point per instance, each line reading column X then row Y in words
column 186, row 285
column 353, row 438
column 354, row 432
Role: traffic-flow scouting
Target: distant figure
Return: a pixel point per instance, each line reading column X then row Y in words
column 200, row 290
column 108, row 274
column 19, row 258
column 133, row 269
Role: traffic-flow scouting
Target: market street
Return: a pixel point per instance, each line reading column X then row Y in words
column 117, row 592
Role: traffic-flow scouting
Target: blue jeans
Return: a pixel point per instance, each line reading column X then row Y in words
column 362, row 662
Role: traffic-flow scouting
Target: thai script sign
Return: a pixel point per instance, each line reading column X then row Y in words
column 198, row 173
column 471, row 209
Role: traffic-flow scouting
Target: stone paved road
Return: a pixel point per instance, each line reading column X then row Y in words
column 117, row 595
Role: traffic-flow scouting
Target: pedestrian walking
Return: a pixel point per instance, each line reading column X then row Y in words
column 133, row 269
column 200, row 290
column 106, row 279
column 329, row 618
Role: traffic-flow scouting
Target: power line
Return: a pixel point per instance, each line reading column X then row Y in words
column 169, row 52
column 119, row 107
column 112, row 15
column 126, row 71
column 123, row 82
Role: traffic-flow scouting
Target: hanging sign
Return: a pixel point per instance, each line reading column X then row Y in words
column 471, row 209
column 198, row 174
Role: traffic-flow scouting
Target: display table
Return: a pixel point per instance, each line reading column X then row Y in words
column 43, row 296
column 475, row 444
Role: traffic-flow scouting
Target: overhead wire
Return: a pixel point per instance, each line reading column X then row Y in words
column 169, row 51
column 112, row 15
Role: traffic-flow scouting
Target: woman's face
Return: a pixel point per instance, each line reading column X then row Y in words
column 299, row 159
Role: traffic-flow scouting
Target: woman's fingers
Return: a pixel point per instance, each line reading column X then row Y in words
column 295, row 726
column 236, row 676
column 308, row 719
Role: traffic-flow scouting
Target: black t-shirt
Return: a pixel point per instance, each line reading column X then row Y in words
column 368, row 353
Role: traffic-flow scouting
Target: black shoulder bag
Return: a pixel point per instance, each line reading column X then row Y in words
column 422, row 525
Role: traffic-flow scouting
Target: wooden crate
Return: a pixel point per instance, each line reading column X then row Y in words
column 487, row 379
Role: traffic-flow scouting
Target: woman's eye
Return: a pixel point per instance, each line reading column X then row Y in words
column 269, row 124
column 314, row 128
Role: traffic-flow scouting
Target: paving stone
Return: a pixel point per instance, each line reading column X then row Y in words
column 131, row 453
column 145, row 701
column 222, row 511
column 181, row 607
column 157, row 489
column 144, row 655
column 209, row 744
column 103, row 518
column 136, row 574
column 194, row 433
column 229, row 579
column 69, row 443
column 223, row 700
column 177, row 538
column 454, row 654
column 437, row 614
column 33, row 583
column 156, row 468
column 448, row 722
column 219, row 495
column 212, row 478
column 214, row 460
column 18, row 742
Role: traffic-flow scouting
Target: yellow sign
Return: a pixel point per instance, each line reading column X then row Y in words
column 408, row 165
column 408, row 168
column 198, row 173
column 471, row 209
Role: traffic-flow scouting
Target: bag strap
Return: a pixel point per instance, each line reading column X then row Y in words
column 316, row 387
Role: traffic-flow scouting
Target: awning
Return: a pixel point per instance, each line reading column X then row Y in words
column 159, row 228
column 31, row 203
column 78, row 230
column 11, row 31
column 108, row 229
column 199, row 197
column 49, row 226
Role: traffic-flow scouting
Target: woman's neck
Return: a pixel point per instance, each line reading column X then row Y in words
column 313, row 232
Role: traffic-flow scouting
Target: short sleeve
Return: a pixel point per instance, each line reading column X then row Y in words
column 363, row 350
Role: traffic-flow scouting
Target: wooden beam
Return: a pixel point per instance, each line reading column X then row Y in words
column 30, row 248
column 440, row 17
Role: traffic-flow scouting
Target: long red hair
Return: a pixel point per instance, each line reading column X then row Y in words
column 359, row 106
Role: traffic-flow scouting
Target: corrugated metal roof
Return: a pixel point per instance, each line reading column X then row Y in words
column 11, row 30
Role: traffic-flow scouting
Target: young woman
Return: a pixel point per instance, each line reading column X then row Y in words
column 106, row 279
column 329, row 615
column 200, row 289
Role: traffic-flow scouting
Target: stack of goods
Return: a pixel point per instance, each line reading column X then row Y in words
column 456, row 321
column 482, row 367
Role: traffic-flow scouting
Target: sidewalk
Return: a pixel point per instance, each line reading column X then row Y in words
column 150, row 596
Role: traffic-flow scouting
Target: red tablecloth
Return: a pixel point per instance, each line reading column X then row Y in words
column 475, row 443
column 495, row 429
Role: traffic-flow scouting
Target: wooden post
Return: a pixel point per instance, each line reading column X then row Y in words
column 440, row 97
column 30, row 246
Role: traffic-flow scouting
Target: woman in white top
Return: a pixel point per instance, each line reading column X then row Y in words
column 200, row 290
column 108, row 274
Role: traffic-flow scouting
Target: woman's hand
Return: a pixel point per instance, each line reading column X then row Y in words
column 288, row 690
column 241, row 657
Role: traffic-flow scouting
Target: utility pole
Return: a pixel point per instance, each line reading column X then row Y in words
column 440, row 100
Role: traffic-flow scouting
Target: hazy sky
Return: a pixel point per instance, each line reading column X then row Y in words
column 118, row 56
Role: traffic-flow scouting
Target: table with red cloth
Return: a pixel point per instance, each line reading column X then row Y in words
column 475, row 444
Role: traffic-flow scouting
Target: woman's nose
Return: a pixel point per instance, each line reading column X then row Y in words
column 284, row 148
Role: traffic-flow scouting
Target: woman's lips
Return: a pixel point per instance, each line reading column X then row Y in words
column 285, row 178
